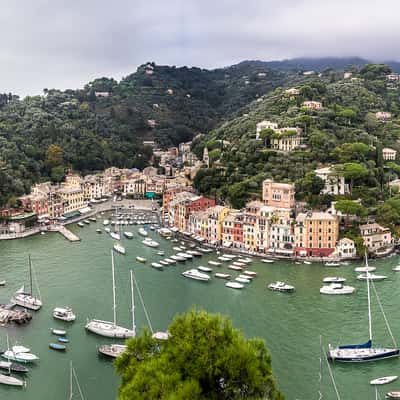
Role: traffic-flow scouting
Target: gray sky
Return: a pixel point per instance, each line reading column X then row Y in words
column 64, row 44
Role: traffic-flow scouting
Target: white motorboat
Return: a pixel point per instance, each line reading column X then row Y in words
column 384, row 380
column 93, row 219
column 170, row 261
column 364, row 352
column 160, row 253
column 112, row 350
column 176, row 248
column 3, row 282
column 234, row 285
column 20, row 349
column 239, row 264
column 119, row 248
column 242, row 280
column 222, row 258
column 25, row 298
column 115, row 235
column 204, row 250
column 86, row 221
column 332, row 264
column 267, row 261
column 307, row 262
column 334, row 279
column 371, row 277
column 107, row 229
column 20, row 357
column 11, row 381
column 222, row 276
column 157, row 265
column 204, row 269
column 164, row 263
column 80, row 224
column 365, row 269
column 280, row 287
column 185, row 255
column 214, row 263
column 396, row 268
column 142, row 232
column 161, row 335
column 337, row 288
column 249, row 277
column 99, row 231
column 196, row 275
column 64, row 313
column 128, row 235
column 177, row 258
column 150, row 243
column 250, row 273
column 243, row 260
column 231, row 256
column 392, row 395
column 235, row 267
column 141, row 259
column 111, row 329
column 58, row 332
column 194, row 253
column 106, row 222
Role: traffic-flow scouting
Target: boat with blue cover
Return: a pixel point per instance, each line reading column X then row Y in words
column 364, row 351
column 57, row 346
column 63, row 340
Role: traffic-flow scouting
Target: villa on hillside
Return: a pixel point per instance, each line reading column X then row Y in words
column 375, row 236
column 383, row 116
column 264, row 125
column 334, row 182
column 312, row 105
column 389, row 154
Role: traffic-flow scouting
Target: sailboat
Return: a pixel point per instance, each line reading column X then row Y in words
column 107, row 328
column 26, row 299
column 365, row 351
column 114, row 350
column 72, row 375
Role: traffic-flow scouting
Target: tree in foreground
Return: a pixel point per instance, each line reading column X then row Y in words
column 204, row 358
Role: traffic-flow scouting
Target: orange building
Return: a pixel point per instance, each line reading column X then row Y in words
column 279, row 195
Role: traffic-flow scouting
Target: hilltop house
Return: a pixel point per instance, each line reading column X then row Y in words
column 389, row 154
column 334, row 182
column 312, row 105
column 264, row 125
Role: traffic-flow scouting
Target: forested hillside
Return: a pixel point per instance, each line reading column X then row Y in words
column 42, row 136
column 345, row 132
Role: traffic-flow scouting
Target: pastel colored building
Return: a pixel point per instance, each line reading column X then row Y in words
column 383, row 116
column 264, row 125
column 312, row 105
column 375, row 236
column 389, row 154
column 346, row 248
column 232, row 230
column 316, row 234
column 277, row 194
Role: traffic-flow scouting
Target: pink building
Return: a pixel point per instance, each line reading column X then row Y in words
column 279, row 195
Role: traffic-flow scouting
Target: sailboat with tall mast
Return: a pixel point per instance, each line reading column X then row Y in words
column 26, row 299
column 365, row 351
column 107, row 328
column 72, row 375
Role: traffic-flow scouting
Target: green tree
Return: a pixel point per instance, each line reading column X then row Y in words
column 54, row 156
column 204, row 358
column 353, row 172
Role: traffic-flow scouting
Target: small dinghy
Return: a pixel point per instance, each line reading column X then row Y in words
column 242, row 280
column 392, row 395
column 235, row 267
column 307, row 262
column 141, row 259
column 99, row 231
column 162, row 262
column 63, row 340
column 170, row 261
column 234, row 285
column 371, row 277
column 395, row 269
column 204, row 269
column 160, row 253
column 2, row 283
column 384, row 380
column 365, row 269
column 215, row 263
column 334, row 279
column 157, row 265
column 222, row 276
column 58, row 332
column 57, row 346
column 250, row 273
column 267, row 261
column 332, row 264
column 281, row 287
column 128, row 235
column 80, row 224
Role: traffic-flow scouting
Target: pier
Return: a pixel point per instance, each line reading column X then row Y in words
column 65, row 232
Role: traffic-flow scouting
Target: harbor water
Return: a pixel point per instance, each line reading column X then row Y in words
column 79, row 275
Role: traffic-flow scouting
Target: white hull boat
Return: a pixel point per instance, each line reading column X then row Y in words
column 242, row 280
column 196, row 275
column 11, row 381
column 281, row 287
column 334, row 279
column 150, row 243
column 384, row 380
column 267, row 261
column 224, row 258
column 128, row 235
column 332, row 264
column 106, row 222
column 235, row 268
column 108, row 230
column 396, row 269
column 142, row 232
column 112, row 350
column 65, row 314
column 364, row 269
column 109, row 329
column 371, row 277
column 141, row 259
column 20, row 357
column 157, row 265
column 250, row 273
column 204, row 269
column 214, row 263
column 115, row 235
column 337, row 288
column 170, row 261
column 27, row 301
column 234, row 285
column 222, row 276
column 119, row 248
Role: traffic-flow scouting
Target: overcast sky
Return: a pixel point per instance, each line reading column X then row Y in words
column 65, row 44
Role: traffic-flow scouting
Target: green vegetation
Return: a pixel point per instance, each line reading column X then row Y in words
column 204, row 358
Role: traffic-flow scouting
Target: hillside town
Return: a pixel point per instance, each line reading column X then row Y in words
column 274, row 224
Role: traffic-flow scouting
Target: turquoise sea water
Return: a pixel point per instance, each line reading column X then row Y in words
column 79, row 275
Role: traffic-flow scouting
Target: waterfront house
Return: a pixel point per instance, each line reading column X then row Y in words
column 216, row 216
column 334, row 181
column 277, row 194
column 375, row 236
column 316, row 234
column 346, row 248
column 232, row 230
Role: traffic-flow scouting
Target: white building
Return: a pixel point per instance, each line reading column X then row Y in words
column 383, row 116
column 312, row 105
column 265, row 125
column 334, row 182
column 346, row 248
column 389, row 154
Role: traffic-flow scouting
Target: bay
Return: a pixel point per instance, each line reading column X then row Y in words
column 79, row 275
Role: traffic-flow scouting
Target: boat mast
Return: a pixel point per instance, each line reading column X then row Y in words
column 113, row 287
column 133, row 306
column 320, row 368
column 70, row 381
column 369, row 299
column 30, row 274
